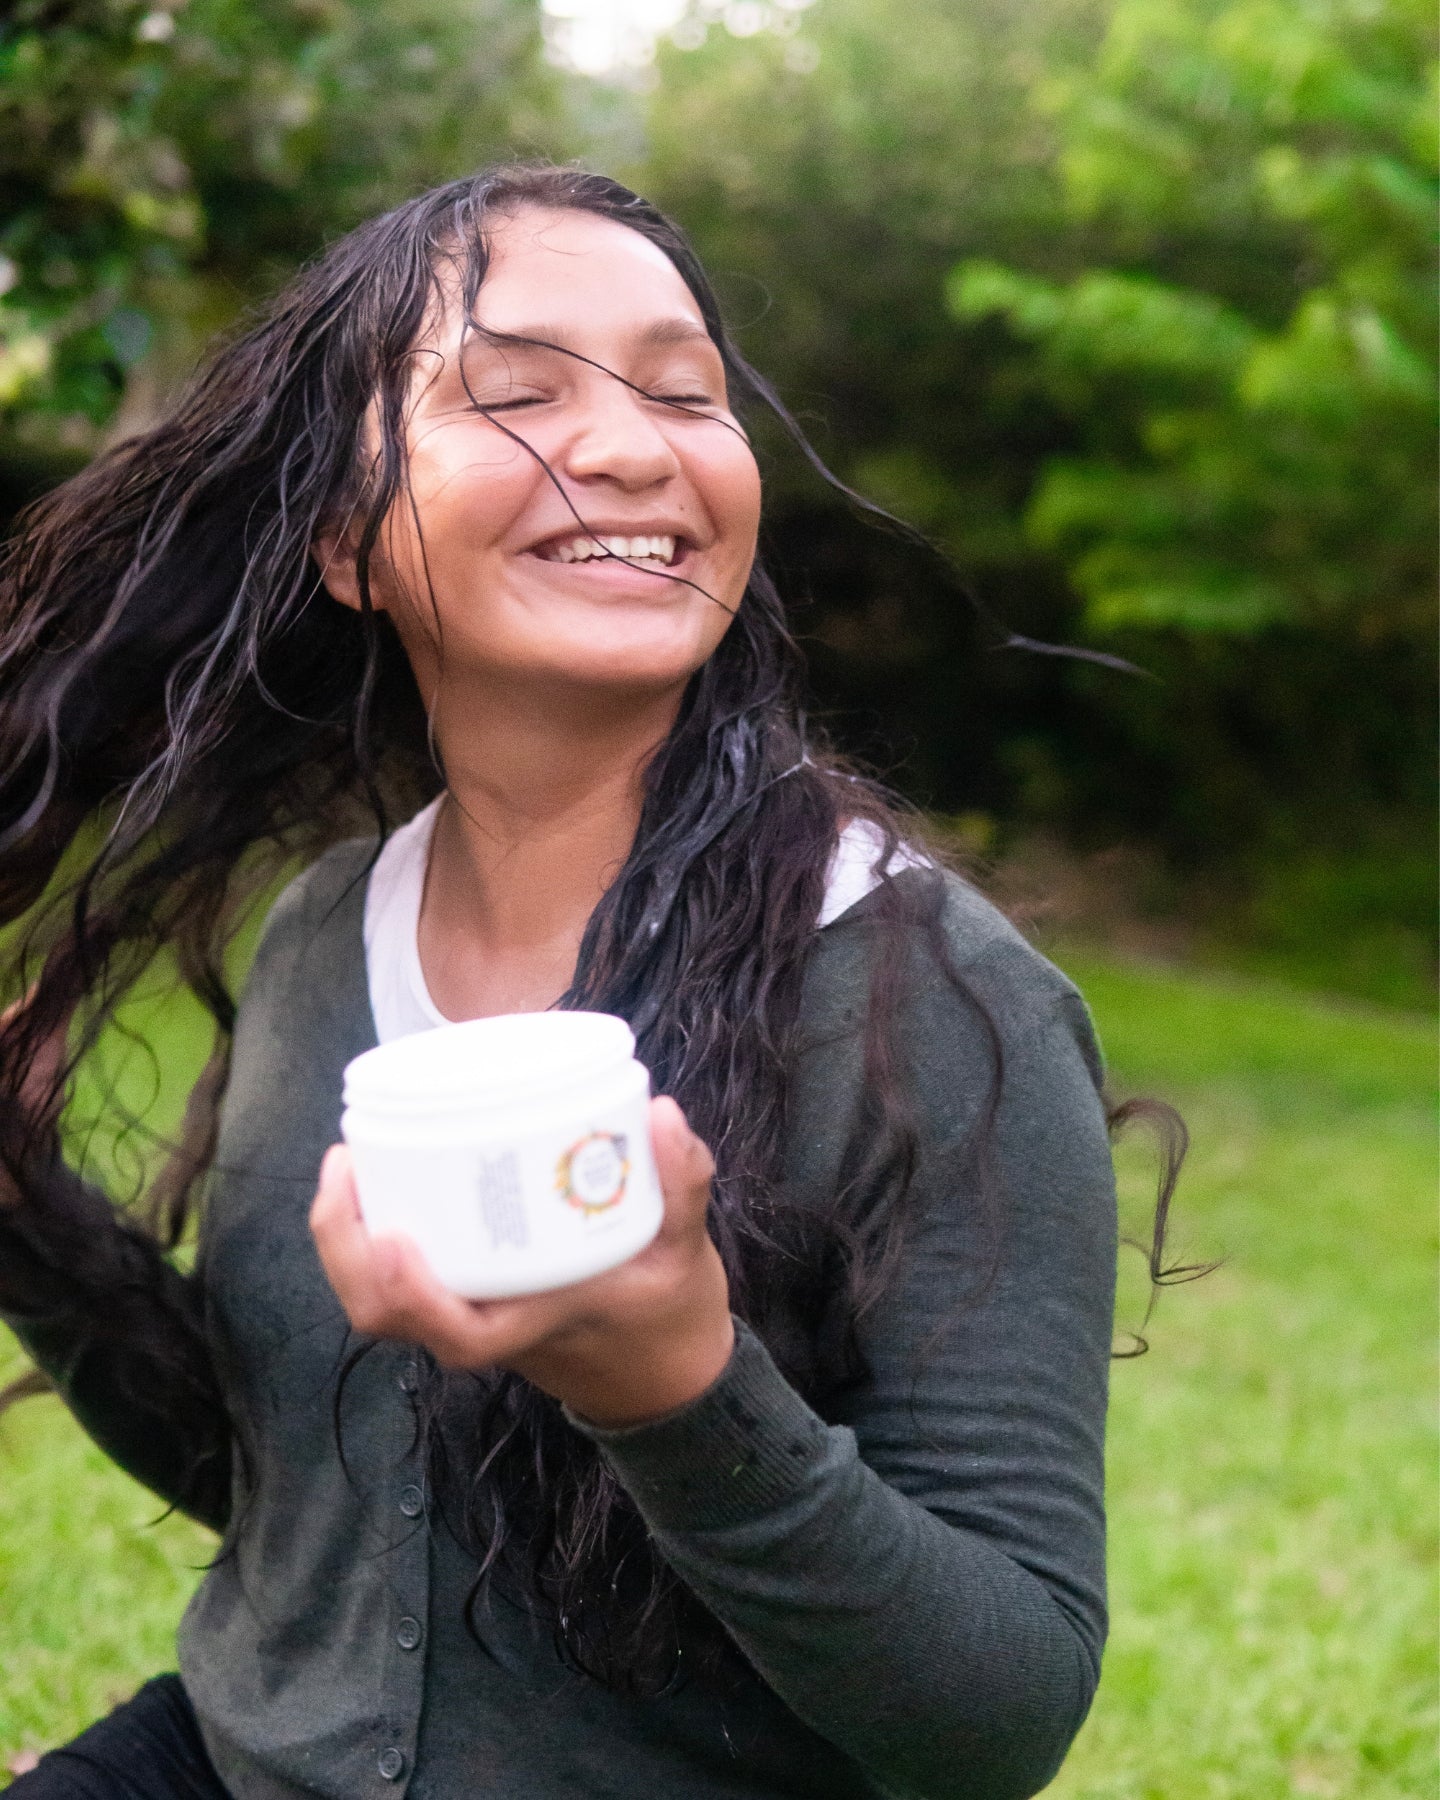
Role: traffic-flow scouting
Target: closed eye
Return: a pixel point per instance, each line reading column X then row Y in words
column 497, row 406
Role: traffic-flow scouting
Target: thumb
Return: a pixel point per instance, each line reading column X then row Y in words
column 684, row 1165
column 336, row 1200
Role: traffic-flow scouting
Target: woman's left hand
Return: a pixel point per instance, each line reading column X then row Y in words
column 622, row 1348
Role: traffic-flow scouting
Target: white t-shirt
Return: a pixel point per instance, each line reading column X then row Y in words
column 399, row 998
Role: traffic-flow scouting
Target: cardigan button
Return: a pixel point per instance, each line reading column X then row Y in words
column 391, row 1763
column 409, row 1378
column 412, row 1502
column 408, row 1634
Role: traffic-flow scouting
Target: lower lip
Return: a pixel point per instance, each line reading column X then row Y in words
column 612, row 572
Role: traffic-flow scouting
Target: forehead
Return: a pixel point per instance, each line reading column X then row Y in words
column 576, row 275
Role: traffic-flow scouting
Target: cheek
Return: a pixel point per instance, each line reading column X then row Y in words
column 744, row 490
column 467, row 490
column 464, row 495
column 736, row 502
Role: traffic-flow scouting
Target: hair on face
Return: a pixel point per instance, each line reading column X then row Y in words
column 184, row 713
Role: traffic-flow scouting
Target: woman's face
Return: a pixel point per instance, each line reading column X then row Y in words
column 522, row 593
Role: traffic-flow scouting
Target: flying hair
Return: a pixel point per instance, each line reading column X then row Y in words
column 186, row 715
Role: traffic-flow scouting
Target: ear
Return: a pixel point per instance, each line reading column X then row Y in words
column 334, row 556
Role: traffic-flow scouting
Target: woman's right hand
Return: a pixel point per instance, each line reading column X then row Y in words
column 620, row 1348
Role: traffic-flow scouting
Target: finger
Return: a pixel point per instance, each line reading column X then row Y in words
column 684, row 1165
column 459, row 1333
column 384, row 1282
column 336, row 1205
column 345, row 1248
column 413, row 1305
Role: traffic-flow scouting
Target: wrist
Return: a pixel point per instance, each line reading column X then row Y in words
column 650, row 1389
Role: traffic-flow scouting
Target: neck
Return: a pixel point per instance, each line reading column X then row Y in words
column 541, row 811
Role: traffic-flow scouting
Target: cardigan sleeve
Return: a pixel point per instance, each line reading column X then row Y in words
column 122, row 1333
column 118, row 1331
column 923, row 1583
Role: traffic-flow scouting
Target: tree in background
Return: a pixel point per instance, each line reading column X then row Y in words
column 1129, row 305
column 831, row 193
column 1124, row 302
column 1254, row 383
column 1243, row 343
column 164, row 161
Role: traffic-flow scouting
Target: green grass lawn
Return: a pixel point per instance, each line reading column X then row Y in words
column 1272, row 1482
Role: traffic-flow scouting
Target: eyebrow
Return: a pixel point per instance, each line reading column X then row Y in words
column 664, row 332
column 660, row 334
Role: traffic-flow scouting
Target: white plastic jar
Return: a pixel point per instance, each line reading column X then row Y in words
column 514, row 1150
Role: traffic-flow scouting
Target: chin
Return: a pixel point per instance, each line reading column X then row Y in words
column 637, row 663
column 638, row 675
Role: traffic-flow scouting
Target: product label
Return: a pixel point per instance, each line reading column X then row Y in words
column 592, row 1173
column 502, row 1202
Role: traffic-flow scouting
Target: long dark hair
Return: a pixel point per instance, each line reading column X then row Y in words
column 184, row 712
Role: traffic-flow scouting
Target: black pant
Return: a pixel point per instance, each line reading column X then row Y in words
column 148, row 1749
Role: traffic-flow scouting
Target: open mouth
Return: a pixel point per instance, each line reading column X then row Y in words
column 655, row 551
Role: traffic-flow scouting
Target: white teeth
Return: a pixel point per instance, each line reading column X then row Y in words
column 633, row 549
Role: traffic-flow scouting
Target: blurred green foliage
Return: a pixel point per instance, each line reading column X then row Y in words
column 1128, row 304
column 1131, row 305
column 165, row 161
column 1253, row 451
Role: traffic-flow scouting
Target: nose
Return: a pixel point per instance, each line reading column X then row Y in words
column 617, row 439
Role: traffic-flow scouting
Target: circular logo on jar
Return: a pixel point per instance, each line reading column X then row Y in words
column 592, row 1173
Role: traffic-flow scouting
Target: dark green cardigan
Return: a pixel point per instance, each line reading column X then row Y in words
column 915, row 1584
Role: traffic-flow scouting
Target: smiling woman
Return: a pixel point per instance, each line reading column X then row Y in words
column 806, row 1497
column 573, row 415
column 572, row 458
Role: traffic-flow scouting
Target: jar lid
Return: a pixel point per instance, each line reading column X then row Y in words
column 495, row 1062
